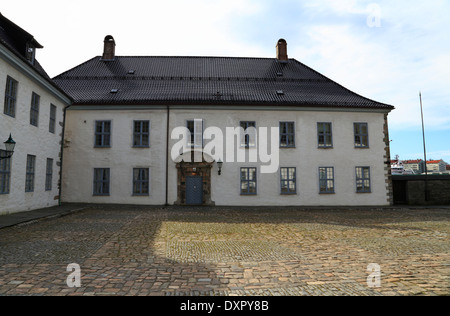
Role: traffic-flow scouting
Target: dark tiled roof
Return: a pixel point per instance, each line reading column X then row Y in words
column 15, row 39
column 205, row 80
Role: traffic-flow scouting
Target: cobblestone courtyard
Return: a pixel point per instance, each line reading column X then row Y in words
column 229, row 251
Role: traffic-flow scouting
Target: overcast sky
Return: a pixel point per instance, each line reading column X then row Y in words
column 386, row 50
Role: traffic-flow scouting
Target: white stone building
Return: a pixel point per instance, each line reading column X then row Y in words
column 32, row 111
column 123, row 127
column 417, row 165
column 436, row 165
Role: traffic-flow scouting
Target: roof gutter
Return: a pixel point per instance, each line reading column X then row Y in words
column 227, row 107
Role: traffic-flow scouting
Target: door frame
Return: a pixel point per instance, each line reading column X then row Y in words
column 200, row 169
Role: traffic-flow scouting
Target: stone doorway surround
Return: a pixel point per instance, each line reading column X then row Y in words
column 201, row 169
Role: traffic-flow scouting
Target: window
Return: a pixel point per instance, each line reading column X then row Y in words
column 363, row 180
column 141, row 134
column 52, row 123
column 288, row 180
column 249, row 137
column 34, row 111
column 49, row 175
column 103, row 134
column 326, row 180
column 287, row 134
column 10, row 97
column 325, row 136
column 248, row 181
column 5, row 173
column 361, row 135
column 195, row 128
column 30, row 53
column 101, row 181
column 29, row 179
column 141, row 181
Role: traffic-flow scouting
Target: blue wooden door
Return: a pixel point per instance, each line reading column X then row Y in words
column 194, row 190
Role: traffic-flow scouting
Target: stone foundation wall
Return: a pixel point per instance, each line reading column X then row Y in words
column 411, row 190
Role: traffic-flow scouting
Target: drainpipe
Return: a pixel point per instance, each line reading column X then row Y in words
column 167, row 156
column 62, row 154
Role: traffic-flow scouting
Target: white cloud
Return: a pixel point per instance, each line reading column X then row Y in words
column 352, row 61
column 390, row 64
column 73, row 31
column 338, row 6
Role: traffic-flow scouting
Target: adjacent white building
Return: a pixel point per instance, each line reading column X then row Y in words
column 436, row 165
column 417, row 165
column 32, row 111
column 127, row 141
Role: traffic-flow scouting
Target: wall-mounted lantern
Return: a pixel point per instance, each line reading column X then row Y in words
column 220, row 164
column 9, row 146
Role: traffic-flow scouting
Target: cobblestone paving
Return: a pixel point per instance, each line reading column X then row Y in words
column 229, row 252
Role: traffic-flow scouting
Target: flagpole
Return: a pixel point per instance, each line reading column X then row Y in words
column 427, row 198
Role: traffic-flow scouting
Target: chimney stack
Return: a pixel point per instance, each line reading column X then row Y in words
column 109, row 49
column 282, row 50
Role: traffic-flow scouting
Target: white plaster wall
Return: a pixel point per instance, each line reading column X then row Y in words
column 80, row 157
column 306, row 157
column 30, row 140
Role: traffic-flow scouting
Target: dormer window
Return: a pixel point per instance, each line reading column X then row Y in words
column 30, row 53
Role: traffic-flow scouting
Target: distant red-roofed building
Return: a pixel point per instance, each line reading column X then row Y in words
column 436, row 166
column 416, row 165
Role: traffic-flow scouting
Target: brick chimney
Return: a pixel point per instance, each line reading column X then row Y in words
column 282, row 50
column 109, row 49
